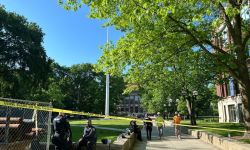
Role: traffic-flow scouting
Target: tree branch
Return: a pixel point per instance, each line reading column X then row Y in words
column 247, row 37
column 198, row 42
column 234, row 3
column 227, row 22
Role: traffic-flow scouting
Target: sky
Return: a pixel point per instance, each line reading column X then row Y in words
column 70, row 37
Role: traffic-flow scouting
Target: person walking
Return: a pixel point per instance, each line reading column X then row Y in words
column 160, row 123
column 176, row 122
column 148, row 125
column 62, row 133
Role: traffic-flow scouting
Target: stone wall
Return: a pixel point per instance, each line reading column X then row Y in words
column 120, row 144
column 219, row 141
column 124, row 143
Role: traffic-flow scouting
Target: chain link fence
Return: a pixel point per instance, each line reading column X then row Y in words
column 24, row 129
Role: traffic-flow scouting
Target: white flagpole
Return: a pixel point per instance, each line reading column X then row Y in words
column 107, row 83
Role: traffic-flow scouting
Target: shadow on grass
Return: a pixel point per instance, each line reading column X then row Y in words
column 77, row 133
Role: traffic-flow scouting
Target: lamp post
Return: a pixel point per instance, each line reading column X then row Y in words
column 165, row 111
column 169, row 102
column 176, row 105
column 195, row 94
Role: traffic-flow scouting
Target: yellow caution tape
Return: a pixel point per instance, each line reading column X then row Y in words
column 222, row 129
column 51, row 109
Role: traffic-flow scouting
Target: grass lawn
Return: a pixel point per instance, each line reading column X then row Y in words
column 111, row 123
column 230, row 126
column 101, row 133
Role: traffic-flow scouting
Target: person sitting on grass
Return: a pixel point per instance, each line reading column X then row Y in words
column 89, row 137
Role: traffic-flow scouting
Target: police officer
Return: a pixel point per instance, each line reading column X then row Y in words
column 135, row 128
column 89, row 137
column 148, row 125
column 62, row 133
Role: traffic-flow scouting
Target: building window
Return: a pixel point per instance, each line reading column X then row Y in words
column 231, row 87
column 237, row 90
column 240, row 112
column 231, row 113
column 136, row 109
column 225, row 113
column 224, row 38
column 126, row 109
column 137, row 98
column 127, row 101
column 227, row 89
column 223, row 90
column 122, row 109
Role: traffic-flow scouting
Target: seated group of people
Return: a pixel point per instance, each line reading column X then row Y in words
column 62, row 135
column 62, row 132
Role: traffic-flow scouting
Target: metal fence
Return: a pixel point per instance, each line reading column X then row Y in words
column 24, row 129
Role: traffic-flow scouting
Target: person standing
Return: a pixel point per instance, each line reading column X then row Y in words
column 89, row 137
column 148, row 125
column 160, row 123
column 62, row 133
column 176, row 122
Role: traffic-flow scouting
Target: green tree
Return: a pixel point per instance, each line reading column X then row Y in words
column 164, row 85
column 24, row 65
column 79, row 87
column 158, row 23
column 53, row 92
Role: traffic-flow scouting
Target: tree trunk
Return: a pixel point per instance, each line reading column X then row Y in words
column 193, row 118
column 244, row 85
column 191, row 111
column 245, row 94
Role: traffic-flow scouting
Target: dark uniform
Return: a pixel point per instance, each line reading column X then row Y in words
column 88, row 139
column 148, row 126
column 62, row 133
column 134, row 128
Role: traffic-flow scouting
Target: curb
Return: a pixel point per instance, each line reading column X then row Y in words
column 219, row 141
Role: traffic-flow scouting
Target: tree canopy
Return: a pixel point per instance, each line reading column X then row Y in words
column 160, row 29
column 79, row 87
column 24, row 65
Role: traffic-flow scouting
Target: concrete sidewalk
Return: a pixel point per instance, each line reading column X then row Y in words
column 170, row 142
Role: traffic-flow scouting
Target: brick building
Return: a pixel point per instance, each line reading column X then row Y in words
column 230, row 104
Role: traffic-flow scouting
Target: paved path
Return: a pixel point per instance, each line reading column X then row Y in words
column 170, row 142
column 99, row 127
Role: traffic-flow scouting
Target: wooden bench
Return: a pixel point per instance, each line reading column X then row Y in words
column 19, row 130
